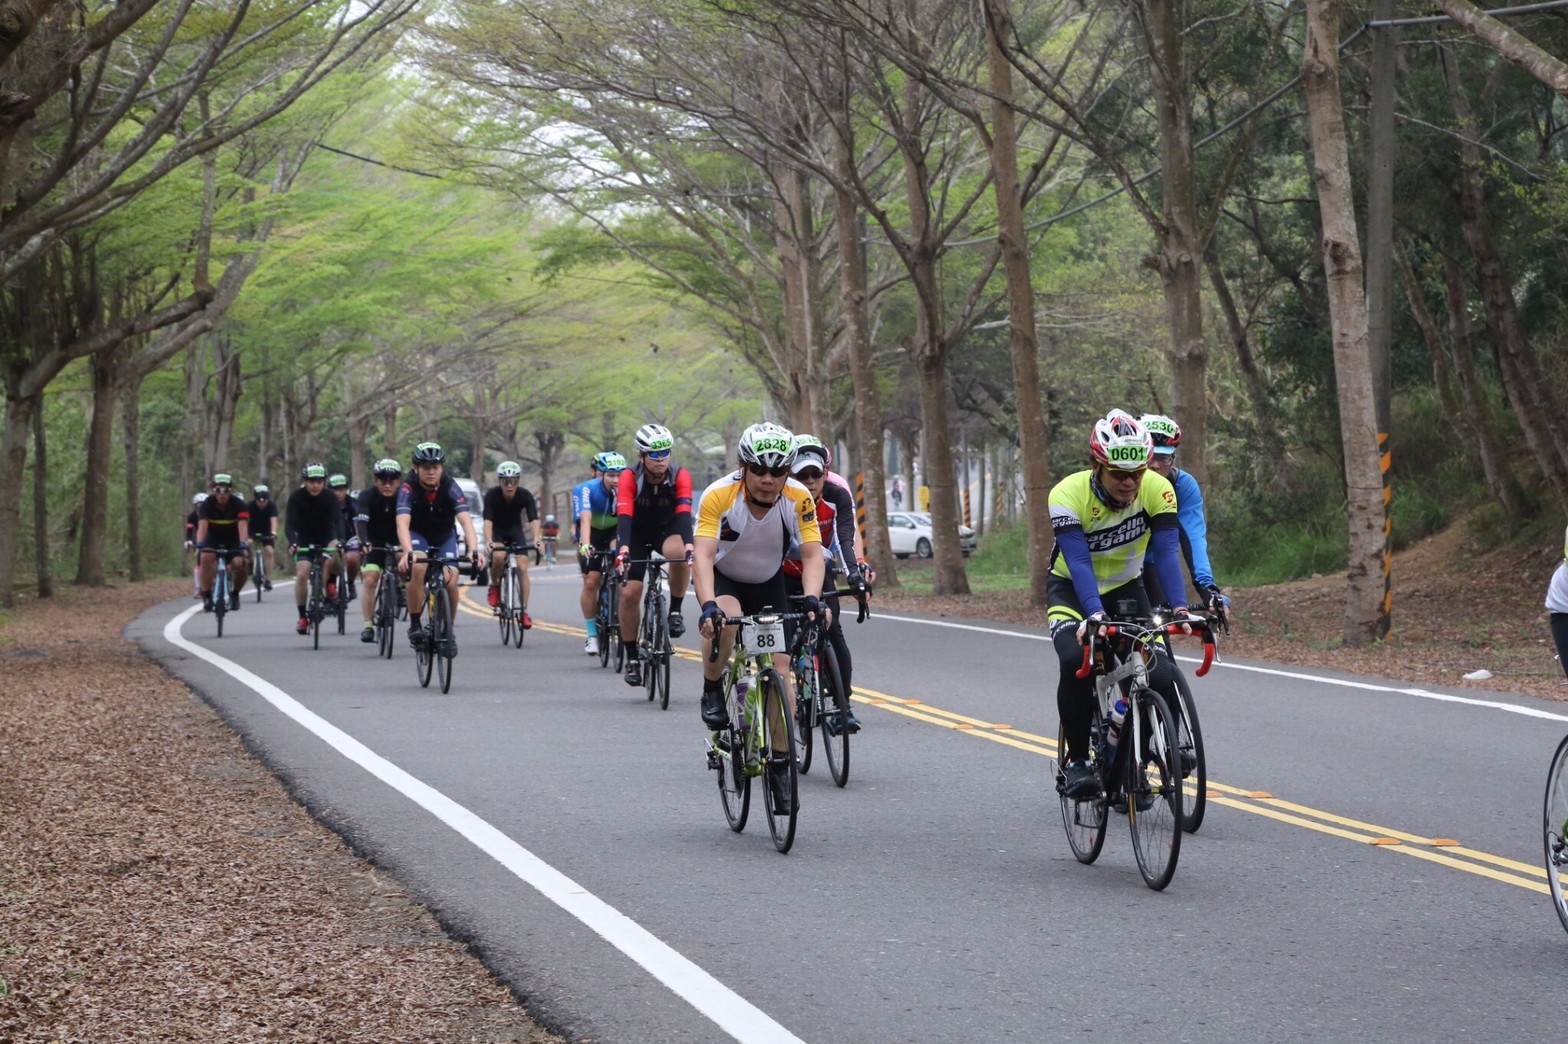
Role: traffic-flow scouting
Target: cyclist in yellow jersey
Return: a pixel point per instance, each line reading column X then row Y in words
column 1105, row 520
column 746, row 524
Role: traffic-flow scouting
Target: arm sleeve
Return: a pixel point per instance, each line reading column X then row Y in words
column 1074, row 547
column 362, row 520
column 1165, row 550
column 683, row 518
column 625, row 504
column 291, row 522
column 1189, row 501
column 843, row 520
column 338, row 522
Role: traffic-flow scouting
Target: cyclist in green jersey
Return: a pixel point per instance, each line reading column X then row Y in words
column 1106, row 519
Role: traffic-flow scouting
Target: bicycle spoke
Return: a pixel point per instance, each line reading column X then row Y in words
column 1153, row 790
column 1554, row 830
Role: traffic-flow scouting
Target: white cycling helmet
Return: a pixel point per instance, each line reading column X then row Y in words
column 509, row 469
column 651, row 438
column 198, row 498
column 1119, row 441
column 767, row 445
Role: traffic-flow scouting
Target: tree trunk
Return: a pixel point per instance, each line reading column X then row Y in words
column 131, row 432
column 862, row 365
column 1513, row 46
column 95, row 482
column 950, row 577
column 1181, row 253
column 801, row 373
column 550, row 446
column 358, row 451
column 1024, row 347
column 1495, row 462
column 41, row 557
column 1368, row 605
column 1528, row 392
column 13, row 451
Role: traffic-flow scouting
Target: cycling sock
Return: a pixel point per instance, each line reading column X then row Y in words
column 593, row 627
column 713, row 685
column 675, row 602
column 302, row 611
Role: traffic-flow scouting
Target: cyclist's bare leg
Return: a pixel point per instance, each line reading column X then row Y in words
column 497, row 565
column 450, row 576
column 680, row 573
column 781, row 665
column 367, row 598
column 631, row 611
column 301, row 582
column 522, row 570
column 239, row 572
column 416, row 588
column 713, row 669
column 588, row 601
column 209, row 570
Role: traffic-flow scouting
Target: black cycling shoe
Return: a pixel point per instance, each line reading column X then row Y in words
column 416, row 635
column 1077, row 781
column 368, row 635
column 714, row 714
column 677, row 624
column 778, row 784
column 633, row 672
column 266, row 585
column 234, row 602
column 835, row 726
column 1189, row 762
column 206, row 601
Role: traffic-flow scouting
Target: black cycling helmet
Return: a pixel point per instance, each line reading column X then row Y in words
column 386, row 467
column 314, row 471
column 429, row 453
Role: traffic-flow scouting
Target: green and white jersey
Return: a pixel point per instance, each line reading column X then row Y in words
column 1117, row 539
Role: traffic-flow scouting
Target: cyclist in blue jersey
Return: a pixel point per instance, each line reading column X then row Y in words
column 1194, row 528
column 1106, row 519
column 593, row 527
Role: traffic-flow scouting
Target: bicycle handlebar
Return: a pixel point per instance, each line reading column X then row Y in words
column 736, row 621
column 1201, row 626
column 522, row 549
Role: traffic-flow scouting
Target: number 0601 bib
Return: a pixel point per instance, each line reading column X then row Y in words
column 759, row 638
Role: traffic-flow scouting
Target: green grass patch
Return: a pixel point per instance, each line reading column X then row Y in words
column 1277, row 554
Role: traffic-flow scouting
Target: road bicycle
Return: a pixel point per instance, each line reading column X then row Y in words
column 317, row 605
column 607, row 614
column 222, row 581
column 435, row 650
column 511, row 608
column 821, row 698
column 258, row 566
column 761, row 733
column 390, row 605
column 1554, row 830
column 1134, row 748
column 653, row 637
column 1188, row 732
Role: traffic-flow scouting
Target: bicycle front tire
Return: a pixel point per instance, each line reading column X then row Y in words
column 808, row 693
column 775, row 707
column 1154, row 790
column 517, row 607
column 734, row 784
column 601, row 622
column 831, row 681
column 659, row 662
column 1189, row 738
column 441, row 649
column 220, row 595
column 1554, row 827
column 424, row 655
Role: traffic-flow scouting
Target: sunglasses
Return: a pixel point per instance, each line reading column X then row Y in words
column 222, row 489
column 810, row 474
column 759, row 471
column 510, row 481
column 657, row 454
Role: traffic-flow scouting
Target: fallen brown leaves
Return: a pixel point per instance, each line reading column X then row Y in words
column 1458, row 607
column 156, row 883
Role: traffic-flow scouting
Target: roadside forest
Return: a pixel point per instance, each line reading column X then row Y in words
column 1327, row 238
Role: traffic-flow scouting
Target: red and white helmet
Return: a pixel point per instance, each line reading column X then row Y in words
column 1119, row 441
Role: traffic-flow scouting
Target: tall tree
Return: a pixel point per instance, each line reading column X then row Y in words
column 1367, row 605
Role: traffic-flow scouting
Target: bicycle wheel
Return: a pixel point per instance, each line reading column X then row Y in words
column 659, row 659
column 1194, row 767
column 1154, row 791
column 808, row 696
column 386, row 615
column 340, row 604
column 1555, row 827
column 781, row 824
column 835, row 698
column 650, row 634
column 259, row 577
column 441, row 648
column 601, row 623
column 220, row 595
column 517, row 606
column 424, row 656
column 734, row 784
column 1084, row 819
column 503, row 613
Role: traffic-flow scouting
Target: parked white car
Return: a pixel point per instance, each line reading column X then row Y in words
column 909, row 532
column 476, row 511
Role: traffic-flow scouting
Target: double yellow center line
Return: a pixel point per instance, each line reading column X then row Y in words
column 1441, row 850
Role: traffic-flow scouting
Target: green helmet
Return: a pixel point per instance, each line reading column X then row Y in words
column 222, row 479
column 313, row 471
column 386, row 467
column 338, row 481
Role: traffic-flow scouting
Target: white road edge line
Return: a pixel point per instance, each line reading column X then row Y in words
column 1426, row 694
column 733, row 1013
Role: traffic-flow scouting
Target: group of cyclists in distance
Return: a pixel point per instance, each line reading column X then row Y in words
column 781, row 522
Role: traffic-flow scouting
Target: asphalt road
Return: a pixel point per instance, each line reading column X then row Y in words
column 571, row 832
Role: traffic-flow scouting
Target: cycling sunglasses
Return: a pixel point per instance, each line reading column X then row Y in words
column 658, row 454
column 811, row 474
column 759, row 471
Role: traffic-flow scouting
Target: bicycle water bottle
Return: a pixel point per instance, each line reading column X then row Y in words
column 742, row 685
column 1113, row 735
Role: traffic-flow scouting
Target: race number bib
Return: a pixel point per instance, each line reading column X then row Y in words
column 761, row 638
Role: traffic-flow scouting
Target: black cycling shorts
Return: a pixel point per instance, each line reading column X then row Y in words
column 753, row 598
column 644, row 543
column 599, row 540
